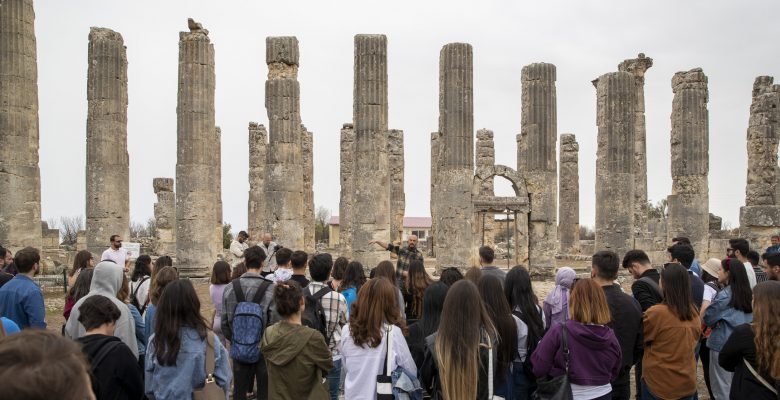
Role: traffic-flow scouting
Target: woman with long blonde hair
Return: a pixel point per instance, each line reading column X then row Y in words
column 457, row 357
column 752, row 352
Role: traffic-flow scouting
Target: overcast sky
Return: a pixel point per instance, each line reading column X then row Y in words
column 733, row 41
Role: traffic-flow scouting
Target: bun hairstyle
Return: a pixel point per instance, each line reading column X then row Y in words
column 287, row 296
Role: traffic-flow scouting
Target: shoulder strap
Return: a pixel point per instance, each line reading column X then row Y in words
column 104, row 352
column 565, row 347
column 209, row 358
column 759, row 377
column 239, row 291
column 258, row 297
column 320, row 293
column 653, row 284
column 490, row 367
column 388, row 351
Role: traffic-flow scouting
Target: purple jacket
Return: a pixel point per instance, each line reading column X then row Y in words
column 594, row 359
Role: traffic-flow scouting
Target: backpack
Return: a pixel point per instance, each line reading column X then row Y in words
column 314, row 314
column 248, row 324
column 134, row 297
column 531, row 344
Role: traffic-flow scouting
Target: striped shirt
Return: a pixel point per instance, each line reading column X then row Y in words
column 335, row 306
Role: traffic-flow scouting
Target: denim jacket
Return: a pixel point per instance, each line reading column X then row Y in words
column 406, row 386
column 723, row 319
column 139, row 329
column 177, row 381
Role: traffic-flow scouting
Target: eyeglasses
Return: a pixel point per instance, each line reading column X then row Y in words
column 117, row 241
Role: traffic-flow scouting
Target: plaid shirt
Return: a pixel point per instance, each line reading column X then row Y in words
column 335, row 307
column 405, row 256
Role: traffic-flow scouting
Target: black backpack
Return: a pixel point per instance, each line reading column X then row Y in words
column 314, row 314
column 531, row 344
column 134, row 298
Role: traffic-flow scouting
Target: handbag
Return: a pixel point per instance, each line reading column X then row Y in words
column 559, row 387
column 384, row 381
column 759, row 377
column 210, row 390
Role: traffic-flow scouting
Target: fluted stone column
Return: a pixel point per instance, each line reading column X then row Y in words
column 284, row 178
column 20, row 175
column 347, row 179
column 395, row 148
column 569, row 192
column 307, row 152
column 217, row 179
column 540, row 168
column 454, row 208
column 759, row 219
column 435, row 161
column 616, row 97
column 638, row 67
column 258, row 220
column 688, row 204
column 370, row 218
column 108, row 169
column 196, row 201
column 485, row 225
column 165, row 216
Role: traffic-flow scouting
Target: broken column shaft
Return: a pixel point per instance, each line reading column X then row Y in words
column 165, row 217
column 395, row 144
column 257, row 218
column 569, row 191
column 307, row 152
column 485, row 225
column 347, row 179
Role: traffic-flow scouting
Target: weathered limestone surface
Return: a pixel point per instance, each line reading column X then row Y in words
column 539, row 135
column 435, row 161
column 165, row 216
column 485, row 225
column 108, row 169
column 347, row 178
column 616, row 97
column 454, row 178
column 20, row 176
column 760, row 217
column 689, row 214
column 638, row 67
column 370, row 216
column 217, row 179
column 196, row 169
column 258, row 142
column 395, row 149
column 307, row 152
column 284, row 168
column 569, row 191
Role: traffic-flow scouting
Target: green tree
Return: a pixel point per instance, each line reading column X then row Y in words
column 321, row 233
column 227, row 236
column 658, row 210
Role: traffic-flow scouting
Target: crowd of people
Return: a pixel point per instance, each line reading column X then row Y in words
column 290, row 325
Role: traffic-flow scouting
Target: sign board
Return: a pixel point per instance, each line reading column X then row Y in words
column 133, row 249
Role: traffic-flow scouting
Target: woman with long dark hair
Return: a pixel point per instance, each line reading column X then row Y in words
column 140, row 282
column 730, row 308
column 433, row 301
column 175, row 358
column 752, row 352
column 83, row 260
column 162, row 278
column 337, row 273
column 414, row 289
column 385, row 269
column 671, row 331
column 220, row 277
column 594, row 357
column 364, row 342
column 457, row 355
column 530, row 329
column 354, row 278
column 79, row 289
column 491, row 291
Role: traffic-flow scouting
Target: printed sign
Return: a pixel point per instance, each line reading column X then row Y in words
column 134, row 249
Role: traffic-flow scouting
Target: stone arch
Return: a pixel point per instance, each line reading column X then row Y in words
column 514, row 177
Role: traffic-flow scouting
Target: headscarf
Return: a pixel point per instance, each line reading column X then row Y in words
column 564, row 278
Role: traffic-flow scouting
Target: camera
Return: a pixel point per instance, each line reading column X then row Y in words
column 277, row 247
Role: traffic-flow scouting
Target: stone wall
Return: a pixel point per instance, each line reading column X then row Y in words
column 485, row 224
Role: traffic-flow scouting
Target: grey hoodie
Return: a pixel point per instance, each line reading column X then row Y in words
column 106, row 281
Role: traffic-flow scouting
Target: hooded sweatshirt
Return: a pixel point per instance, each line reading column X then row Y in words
column 595, row 357
column 118, row 375
column 106, row 281
column 297, row 359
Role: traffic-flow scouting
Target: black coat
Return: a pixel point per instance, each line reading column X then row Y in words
column 429, row 373
column 740, row 345
column 117, row 374
column 627, row 324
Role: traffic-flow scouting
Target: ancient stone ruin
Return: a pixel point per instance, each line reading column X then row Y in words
column 569, row 192
column 165, row 216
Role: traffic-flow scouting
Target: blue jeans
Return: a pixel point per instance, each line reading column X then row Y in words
column 334, row 380
column 648, row 395
column 524, row 386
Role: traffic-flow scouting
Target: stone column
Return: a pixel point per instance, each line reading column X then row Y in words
column 569, row 192
column 395, row 148
column 195, row 166
column 284, row 178
column 20, row 176
column 108, row 169
column 638, row 67
column 435, row 161
column 218, row 192
column 452, row 196
column 307, row 152
column 688, row 204
column 258, row 222
column 485, row 225
column 759, row 219
column 370, row 218
column 616, row 96
column 347, row 178
column 165, row 216
column 539, row 134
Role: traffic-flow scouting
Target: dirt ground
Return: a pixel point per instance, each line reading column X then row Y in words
column 55, row 301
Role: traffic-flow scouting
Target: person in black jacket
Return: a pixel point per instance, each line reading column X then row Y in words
column 684, row 255
column 115, row 370
column 433, row 301
column 755, row 346
column 626, row 319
